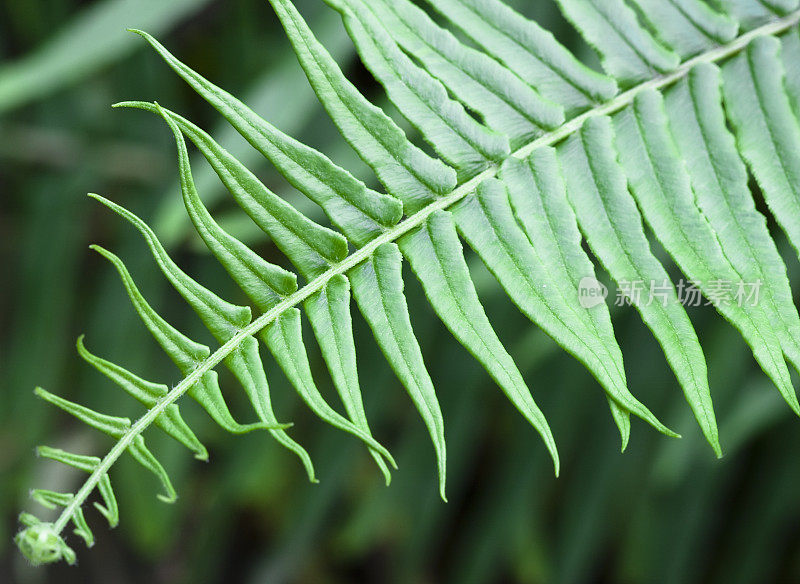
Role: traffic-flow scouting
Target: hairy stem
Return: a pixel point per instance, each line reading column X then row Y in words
column 620, row 101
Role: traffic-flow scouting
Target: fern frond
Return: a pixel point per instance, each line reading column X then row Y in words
column 466, row 145
column 660, row 185
column 488, row 224
column 768, row 133
column 690, row 26
column 529, row 51
column 148, row 394
column 554, row 155
column 507, row 104
column 627, row 50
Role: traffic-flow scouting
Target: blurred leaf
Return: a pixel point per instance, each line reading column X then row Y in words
column 93, row 39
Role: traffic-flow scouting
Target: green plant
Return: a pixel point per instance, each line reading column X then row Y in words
column 561, row 154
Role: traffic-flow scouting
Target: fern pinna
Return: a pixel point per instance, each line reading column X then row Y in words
column 536, row 153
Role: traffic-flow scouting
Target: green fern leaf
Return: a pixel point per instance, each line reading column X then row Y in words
column 611, row 223
column 554, row 155
column 628, row 52
column 488, row 225
column 184, row 352
column 87, row 464
column 538, row 199
column 406, row 171
column 506, row 103
column 689, row 26
column 529, row 51
column 435, row 254
column 461, row 141
column 767, row 131
column 660, row 184
column 719, row 179
column 116, row 428
column 147, row 394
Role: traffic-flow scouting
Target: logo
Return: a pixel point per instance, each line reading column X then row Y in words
column 591, row 292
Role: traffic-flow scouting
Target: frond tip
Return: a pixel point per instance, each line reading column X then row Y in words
column 41, row 543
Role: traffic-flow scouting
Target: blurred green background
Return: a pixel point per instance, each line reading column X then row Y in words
column 664, row 512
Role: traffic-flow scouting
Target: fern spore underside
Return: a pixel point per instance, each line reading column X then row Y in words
column 694, row 99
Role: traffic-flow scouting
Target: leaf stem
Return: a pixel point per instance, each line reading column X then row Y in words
column 620, row 101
